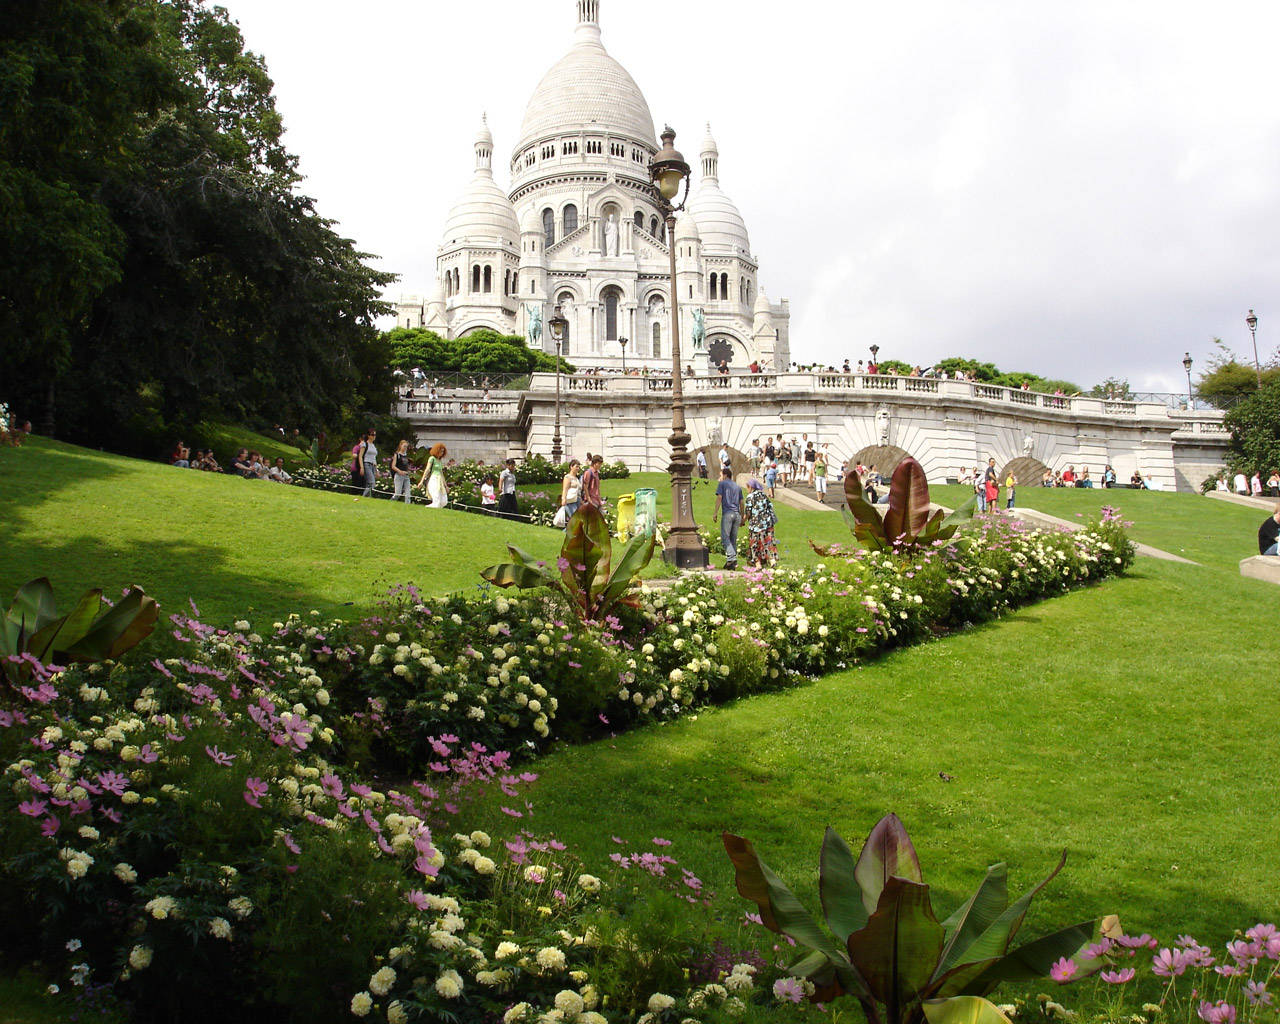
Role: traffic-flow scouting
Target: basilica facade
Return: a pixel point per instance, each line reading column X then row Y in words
column 581, row 229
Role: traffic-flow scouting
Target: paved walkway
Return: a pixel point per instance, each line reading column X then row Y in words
column 1266, row 504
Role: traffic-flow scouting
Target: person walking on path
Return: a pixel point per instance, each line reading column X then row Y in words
column 433, row 476
column 591, row 484
column 1010, row 483
column 369, row 459
column 400, row 472
column 771, row 478
column 991, row 486
column 507, row 490
column 820, row 476
column 571, row 490
column 729, row 512
column 725, row 461
column 760, row 519
column 702, row 464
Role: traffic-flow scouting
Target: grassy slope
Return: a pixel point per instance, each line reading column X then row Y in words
column 89, row 519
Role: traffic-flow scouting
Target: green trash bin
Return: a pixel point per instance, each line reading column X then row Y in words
column 646, row 510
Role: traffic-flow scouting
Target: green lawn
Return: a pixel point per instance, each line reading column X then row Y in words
column 1132, row 723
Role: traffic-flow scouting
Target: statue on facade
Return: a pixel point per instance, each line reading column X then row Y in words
column 882, row 425
column 699, row 328
column 611, row 236
column 1028, row 445
column 534, row 309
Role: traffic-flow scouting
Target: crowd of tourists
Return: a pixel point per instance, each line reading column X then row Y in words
column 247, row 463
column 1250, row 486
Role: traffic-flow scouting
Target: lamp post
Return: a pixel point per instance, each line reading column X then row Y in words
column 1252, row 321
column 684, row 548
column 874, row 351
column 558, row 325
column 1186, row 365
column 623, row 343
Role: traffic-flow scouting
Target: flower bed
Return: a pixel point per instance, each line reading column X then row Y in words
column 205, row 815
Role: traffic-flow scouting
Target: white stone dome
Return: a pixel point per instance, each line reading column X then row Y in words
column 585, row 87
column 483, row 213
column 719, row 223
column 686, row 228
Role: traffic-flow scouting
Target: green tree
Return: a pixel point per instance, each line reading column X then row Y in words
column 1254, row 423
column 1113, row 387
column 1228, row 380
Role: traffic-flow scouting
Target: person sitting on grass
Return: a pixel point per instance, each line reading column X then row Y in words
column 279, row 474
column 240, row 464
column 1269, row 534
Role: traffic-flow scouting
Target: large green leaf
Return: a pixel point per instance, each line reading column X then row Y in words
column 975, row 915
column 638, row 554
column 512, row 574
column 1033, row 960
column 60, row 634
column 962, row 514
column 33, row 606
column 780, row 911
column 995, row 938
column 897, row 950
column 908, row 501
column 586, row 543
column 838, row 887
column 886, row 853
column 123, row 627
column 861, row 510
column 963, row 1010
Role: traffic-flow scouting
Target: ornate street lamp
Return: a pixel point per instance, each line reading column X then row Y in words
column 1186, row 365
column 559, row 327
column 623, row 343
column 684, row 548
column 874, row 349
column 1252, row 321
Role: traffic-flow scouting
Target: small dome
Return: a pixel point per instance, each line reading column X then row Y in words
column 719, row 222
column 585, row 87
column 437, row 294
column 532, row 223
column 483, row 213
column 686, row 228
column 762, row 303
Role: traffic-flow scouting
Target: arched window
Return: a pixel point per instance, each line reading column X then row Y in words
column 570, row 218
column 515, row 283
column 548, row 228
column 457, row 280
column 655, row 228
column 506, row 282
column 611, row 297
column 639, row 219
column 565, row 301
column 475, row 277
column 488, row 278
column 657, row 340
column 724, row 286
column 713, row 286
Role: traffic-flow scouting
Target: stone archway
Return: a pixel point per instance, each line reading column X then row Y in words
column 739, row 462
column 1027, row 471
column 884, row 458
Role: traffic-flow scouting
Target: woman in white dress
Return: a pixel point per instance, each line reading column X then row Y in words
column 433, row 477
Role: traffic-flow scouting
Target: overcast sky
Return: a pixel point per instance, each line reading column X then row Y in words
column 1082, row 190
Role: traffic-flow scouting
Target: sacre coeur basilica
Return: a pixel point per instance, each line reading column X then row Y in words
column 581, row 228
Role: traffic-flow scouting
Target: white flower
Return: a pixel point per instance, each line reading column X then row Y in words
column 161, row 907
column 242, row 625
column 449, row 984
column 140, row 958
column 382, row 980
column 505, row 950
column 551, row 959
column 485, row 866
column 396, row 1013
column 241, row 906
column 588, row 883
column 569, row 1003
column 220, row 928
column 659, row 1002
column 361, row 1004
column 516, row 1013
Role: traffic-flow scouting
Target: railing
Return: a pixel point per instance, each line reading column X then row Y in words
column 504, row 408
column 1120, row 408
column 474, row 381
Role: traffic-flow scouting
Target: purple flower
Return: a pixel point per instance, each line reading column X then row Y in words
column 1063, row 970
column 788, row 990
column 1256, row 993
column 33, row 808
column 1118, row 977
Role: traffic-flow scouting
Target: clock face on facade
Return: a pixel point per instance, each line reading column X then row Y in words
column 720, row 351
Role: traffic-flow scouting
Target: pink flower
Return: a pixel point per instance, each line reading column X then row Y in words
column 1168, row 963
column 32, row 808
column 788, row 990
column 254, row 790
column 418, row 898
column 1256, row 993
column 1063, row 971
column 49, row 827
column 1217, row 1013
column 294, row 848
column 219, row 757
column 1118, row 977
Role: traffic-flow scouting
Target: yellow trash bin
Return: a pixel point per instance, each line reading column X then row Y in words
column 626, row 516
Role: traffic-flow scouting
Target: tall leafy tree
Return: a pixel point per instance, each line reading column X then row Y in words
column 1254, row 423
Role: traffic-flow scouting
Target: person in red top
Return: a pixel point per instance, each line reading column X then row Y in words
column 1069, row 477
column 591, row 483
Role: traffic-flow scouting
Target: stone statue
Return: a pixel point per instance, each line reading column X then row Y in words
column 882, row 425
column 699, row 328
column 714, row 433
column 534, row 309
column 611, row 236
column 1028, row 445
